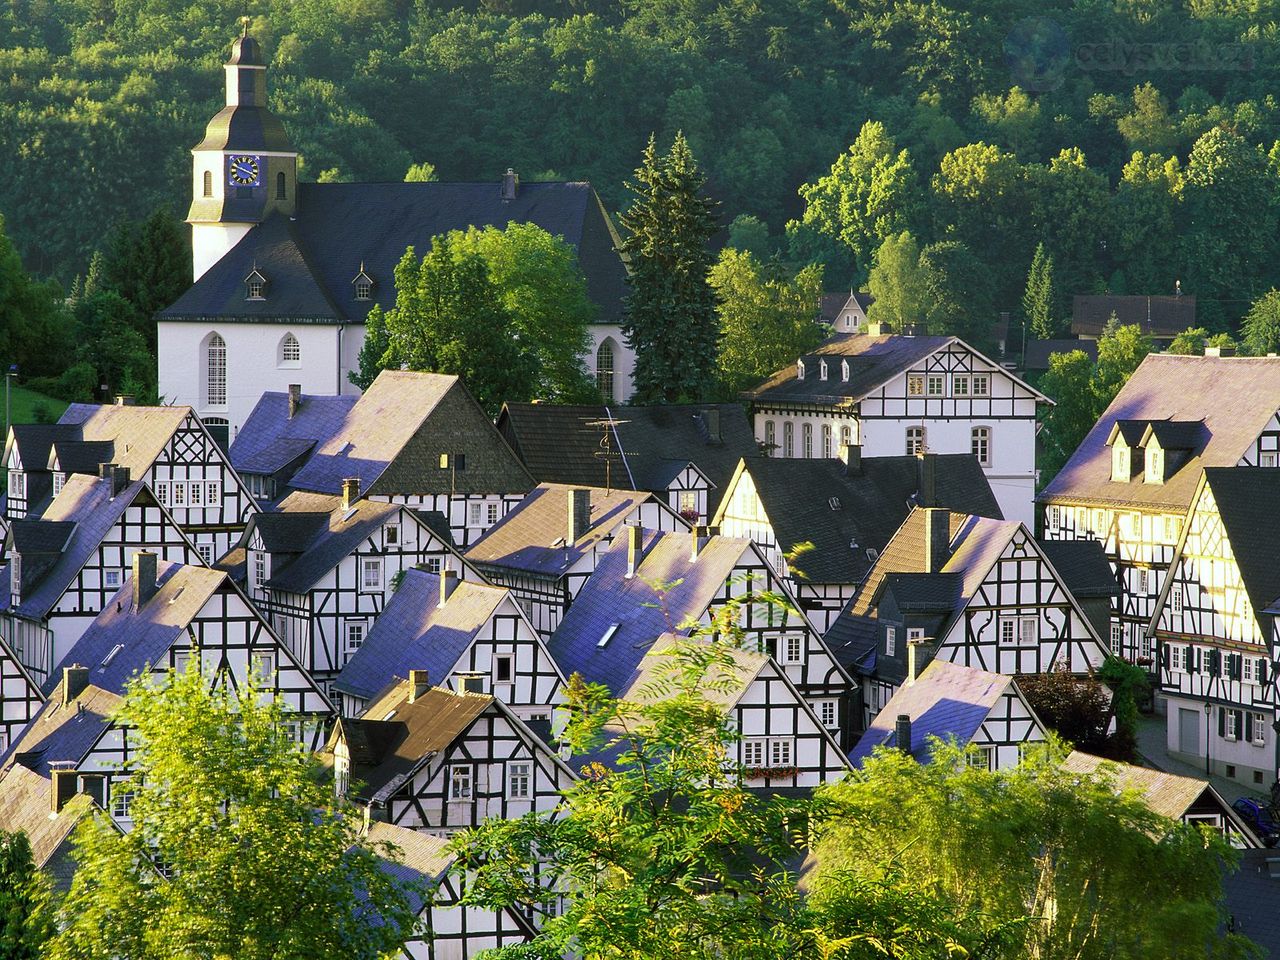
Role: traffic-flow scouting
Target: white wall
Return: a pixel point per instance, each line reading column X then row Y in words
column 211, row 241
column 624, row 359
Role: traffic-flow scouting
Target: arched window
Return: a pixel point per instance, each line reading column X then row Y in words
column 826, row 441
column 788, row 439
column 290, row 351
column 208, row 183
column 846, row 435
column 822, row 369
column 770, row 441
column 604, row 369
column 281, row 191
column 808, row 441
column 799, row 369
column 215, row 367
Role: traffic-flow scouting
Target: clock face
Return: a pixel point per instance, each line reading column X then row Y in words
column 244, row 171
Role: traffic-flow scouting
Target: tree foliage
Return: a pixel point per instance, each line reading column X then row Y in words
column 262, row 863
column 26, row 902
column 1038, row 300
column 1260, row 334
column 897, row 285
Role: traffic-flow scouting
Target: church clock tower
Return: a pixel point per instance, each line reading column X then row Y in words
column 245, row 168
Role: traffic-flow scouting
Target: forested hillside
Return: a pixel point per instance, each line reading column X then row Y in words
column 1135, row 139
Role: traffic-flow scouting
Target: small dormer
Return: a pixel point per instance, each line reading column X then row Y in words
column 255, row 285
column 822, row 369
column 1126, row 450
column 799, row 369
column 362, row 284
column 844, row 371
column 1153, row 470
column 1168, row 445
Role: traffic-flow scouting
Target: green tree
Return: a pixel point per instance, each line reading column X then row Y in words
column 670, row 319
column 765, row 324
column 750, row 235
column 1120, row 349
column 108, row 339
column 262, row 862
column 1260, row 332
column 956, row 287
column 33, row 328
column 1095, row 873
column 1071, row 208
column 1069, row 383
column 449, row 317
column 1189, row 342
column 148, row 263
column 373, row 352
column 26, row 914
column 1038, row 300
column 421, row 173
column 1146, row 222
column 897, row 285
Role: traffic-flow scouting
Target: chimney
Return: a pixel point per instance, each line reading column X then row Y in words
column 295, row 399
column 1219, row 351
column 510, row 185
column 876, row 329
column 106, row 470
column 448, row 581
column 634, row 546
column 419, row 683
column 119, row 480
column 937, row 538
column 851, row 456
column 144, row 578
column 711, row 420
column 472, row 683
column 926, row 472
column 125, row 400
column 350, row 492
column 75, row 679
column 579, row 516
column 697, row 536
column 915, row 658
column 62, row 787
column 902, row 733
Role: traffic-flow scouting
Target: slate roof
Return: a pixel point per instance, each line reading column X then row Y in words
column 423, row 859
column 925, row 592
column 35, row 443
column 610, row 598
column 946, row 701
column 143, row 636
column 79, row 518
column 532, row 536
column 903, row 554
column 312, row 534
column 725, row 683
column 1168, row 794
column 1163, row 317
column 392, row 439
column 1036, row 357
column 873, row 503
column 853, row 641
column 137, row 434
column 270, row 441
column 1234, row 396
column 1250, row 894
column 557, row 446
column 873, row 362
column 27, row 807
column 310, row 262
column 59, row 733
column 414, row 632
column 1248, row 501
column 1083, row 566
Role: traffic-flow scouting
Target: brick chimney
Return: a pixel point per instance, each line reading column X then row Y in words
column 937, row 538
column 711, row 420
column 419, row 683
column 106, row 470
column 850, row 455
column 119, row 480
column 295, row 399
column 350, row 492
column 510, row 185
column 75, row 679
column 902, row 733
column 927, row 479
column 448, row 582
column 579, row 516
column 144, row 578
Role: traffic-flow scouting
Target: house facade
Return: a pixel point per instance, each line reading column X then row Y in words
column 20, row 697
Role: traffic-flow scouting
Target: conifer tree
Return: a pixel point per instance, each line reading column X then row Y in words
column 670, row 319
column 1037, row 301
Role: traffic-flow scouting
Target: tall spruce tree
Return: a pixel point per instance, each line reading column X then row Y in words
column 670, row 319
column 1037, row 301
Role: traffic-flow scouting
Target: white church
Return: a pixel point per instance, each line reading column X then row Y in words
column 285, row 272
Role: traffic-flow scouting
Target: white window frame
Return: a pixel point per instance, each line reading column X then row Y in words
column 59, row 481
column 826, row 441
column 782, row 752
column 1232, row 726
column 108, row 575
column 754, row 752
column 788, row 438
column 1144, row 579
column 806, row 434
column 980, row 445
column 770, row 432
column 960, row 385
column 828, row 713
column 520, row 780
column 890, row 641
column 205, row 552
column 1267, row 459
column 791, row 649
column 915, row 385
column 391, row 535
column 215, row 366
column 461, row 782
column 375, row 583
column 1008, row 631
column 290, row 351
column 1258, row 729
column 981, row 385
column 212, row 493
column 354, row 629
column 1028, row 624
column 474, row 513
column 822, row 369
column 935, row 385
column 687, row 501
column 18, row 484
column 510, row 660
column 917, row 439
column 121, row 801
column 258, row 566
column 981, row 758
column 264, row 663
column 1117, row 637
column 1175, row 597
column 1247, row 667
column 492, row 511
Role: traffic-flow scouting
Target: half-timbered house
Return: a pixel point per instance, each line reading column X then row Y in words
column 974, row 591
column 446, row 930
column 892, row 395
column 650, row 583
column 20, row 697
column 1191, row 412
column 456, row 632
column 280, row 434
column 1215, row 622
column 969, row 707
column 66, row 566
column 441, row 760
column 846, row 509
column 683, row 453
column 420, row 439
column 322, row 568
column 546, row 547
column 1190, row 800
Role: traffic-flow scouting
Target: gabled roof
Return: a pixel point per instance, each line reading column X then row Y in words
column 649, row 447
column 143, row 636
column 1083, row 566
column 81, row 515
column 1248, row 501
column 1234, row 396
column 138, row 434
column 81, row 456
column 1157, row 316
column 1184, row 435
column 854, row 641
column 873, row 362
column 532, row 536
column 414, row 632
column 270, row 440
column 903, row 554
column 947, row 700
column 27, row 807
column 725, row 683
column 35, row 442
column 1168, row 794
column 63, row 733
column 632, row 612
column 423, row 860
column 924, row 592
column 873, row 501
column 393, row 437
column 312, row 259
column 1038, row 352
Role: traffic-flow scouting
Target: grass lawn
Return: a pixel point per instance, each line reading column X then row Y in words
column 24, row 404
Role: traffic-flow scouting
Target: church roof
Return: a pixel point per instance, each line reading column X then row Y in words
column 246, row 128
column 310, row 261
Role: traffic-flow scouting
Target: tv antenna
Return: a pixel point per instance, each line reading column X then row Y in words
column 607, row 426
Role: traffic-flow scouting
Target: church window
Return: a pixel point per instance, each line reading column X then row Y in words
column 807, row 434
column 826, row 441
column 770, row 435
column 290, row 351
column 208, row 183
column 788, row 439
column 281, row 189
column 216, row 372
column 604, row 370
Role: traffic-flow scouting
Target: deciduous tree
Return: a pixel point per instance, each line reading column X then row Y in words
column 897, row 285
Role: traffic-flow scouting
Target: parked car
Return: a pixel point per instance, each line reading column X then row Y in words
column 1259, row 818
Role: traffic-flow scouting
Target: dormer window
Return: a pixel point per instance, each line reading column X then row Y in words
column 822, row 369
column 255, row 285
column 799, row 369
column 844, row 371
column 363, row 285
column 1155, row 465
column 1120, row 463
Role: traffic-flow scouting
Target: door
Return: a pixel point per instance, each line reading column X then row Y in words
column 1188, row 731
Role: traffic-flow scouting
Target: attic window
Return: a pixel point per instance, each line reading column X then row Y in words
column 608, row 635
column 799, row 369
column 834, row 503
column 1120, row 463
column 822, row 369
column 255, row 285
column 844, row 370
column 111, row 654
column 1155, row 465
column 873, row 554
column 363, row 284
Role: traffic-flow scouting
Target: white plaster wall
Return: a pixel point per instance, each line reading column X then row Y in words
column 624, row 359
column 211, row 241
